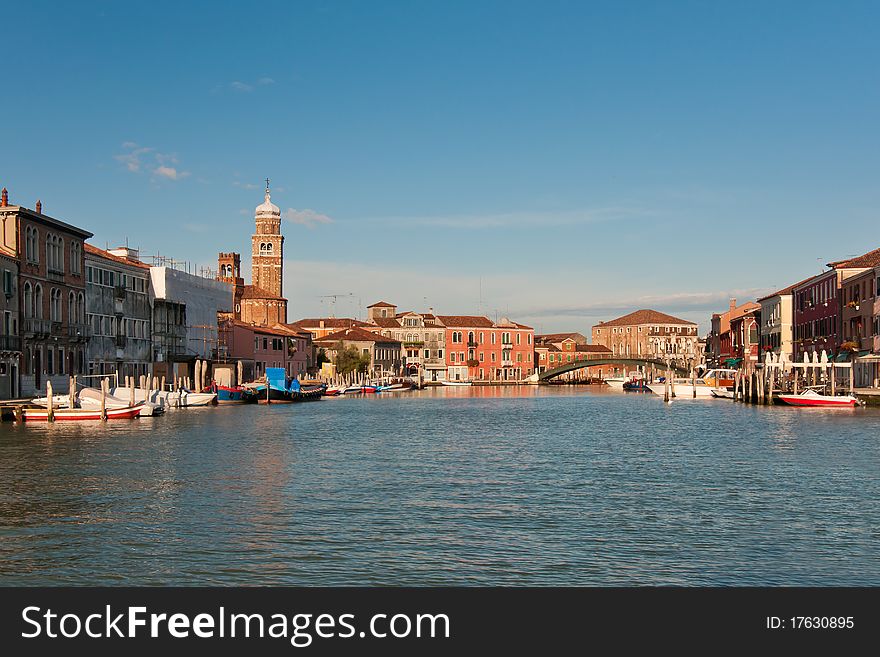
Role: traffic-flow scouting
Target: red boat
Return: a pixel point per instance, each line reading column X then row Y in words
column 68, row 414
column 813, row 398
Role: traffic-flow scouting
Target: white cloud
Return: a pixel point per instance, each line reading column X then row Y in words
column 307, row 218
column 265, row 81
column 137, row 159
column 241, row 87
column 170, row 173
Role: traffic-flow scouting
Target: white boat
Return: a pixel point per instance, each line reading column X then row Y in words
column 685, row 388
column 168, row 399
column 810, row 397
column 457, row 383
column 617, row 382
column 90, row 399
column 722, row 393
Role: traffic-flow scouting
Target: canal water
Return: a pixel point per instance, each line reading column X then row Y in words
column 476, row 486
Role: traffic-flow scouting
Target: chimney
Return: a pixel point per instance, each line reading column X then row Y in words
column 732, row 305
column 39, row 207
column 4, row 198
column 321, row 325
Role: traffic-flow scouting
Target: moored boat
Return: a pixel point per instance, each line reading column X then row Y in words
column 366, row 389
column 332, row 391
column 811, row 397
column 68, row 414
column 457, row 383
column 701, row 388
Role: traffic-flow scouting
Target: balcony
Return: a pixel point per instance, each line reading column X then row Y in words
column 79, row 332
column 33, row 327
column 472, row 343
column 10, row 343
column 56, row 275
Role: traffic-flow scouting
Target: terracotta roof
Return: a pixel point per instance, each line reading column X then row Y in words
column 551, row 337
column 277, row 329
column 465, row 321
column 386, row 322
column 356, row 334
column 785, row 290
column 870, row 259
column 593, row 348
column 329, row 322
column 382, row 304
column 645, row 317
column 254, row 292
column 101, row 253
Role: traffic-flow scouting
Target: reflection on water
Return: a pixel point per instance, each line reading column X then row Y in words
column 479, row 485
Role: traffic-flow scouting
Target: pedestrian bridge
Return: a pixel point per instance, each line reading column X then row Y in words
column 629, row 363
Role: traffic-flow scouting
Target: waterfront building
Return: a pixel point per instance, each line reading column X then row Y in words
column 874, row 356
column 558, row 349
column 321, row 327
column 648, row 334
column 720, row 348
column 479, row 349
column 259, row 347
column 745, row 336
column 10, row 341
column 51, row 292
column 818, row 305
column 185, row 315
column 422, row 338
column 777, row 314
column 118, row 312
column 384, row 352
column 859, row 295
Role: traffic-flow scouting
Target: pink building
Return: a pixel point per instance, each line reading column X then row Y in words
column 259, row 347
column 479, row 349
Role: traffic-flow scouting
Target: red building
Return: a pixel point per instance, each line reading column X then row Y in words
column 744, row 335
column 482, row 350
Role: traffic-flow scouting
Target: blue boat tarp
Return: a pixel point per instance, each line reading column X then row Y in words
column 277, row 378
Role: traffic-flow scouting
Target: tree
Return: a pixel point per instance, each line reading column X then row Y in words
column 322, row 357
column 349, row 359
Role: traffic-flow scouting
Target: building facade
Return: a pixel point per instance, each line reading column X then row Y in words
column 51, row 293
column 422, row 338
column 648, row 334
column 10, row 341
column 118, row 313
column 185, row 315
column 384, row 352
column 259, row 347
column 479, row 349
column 777, row 314
column 720, row 347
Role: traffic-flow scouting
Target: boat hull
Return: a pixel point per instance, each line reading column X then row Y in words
column 818, row 401
column 454, row 384
column 67, row 414
column 683, row 390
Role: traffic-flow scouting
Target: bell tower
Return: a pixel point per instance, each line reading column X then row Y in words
column 229, row 271
column 267, row 247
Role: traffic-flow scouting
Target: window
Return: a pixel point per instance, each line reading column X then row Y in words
column 38, row 301
column 452, row 356
column 28, row 301
column 55, row 304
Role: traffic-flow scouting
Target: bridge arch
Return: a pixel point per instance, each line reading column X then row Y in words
column 595, row 362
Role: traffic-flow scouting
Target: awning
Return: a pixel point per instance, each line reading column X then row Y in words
column 732, row 361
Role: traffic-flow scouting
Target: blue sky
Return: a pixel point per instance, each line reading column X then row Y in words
column 561, row 162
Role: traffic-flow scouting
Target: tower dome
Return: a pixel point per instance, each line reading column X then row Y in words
column 267, row 208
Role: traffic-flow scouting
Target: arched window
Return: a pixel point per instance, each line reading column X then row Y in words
column 38, row 301
column 269, row 247
column 49, row 251
column 71, row 308
column 55, row 304
column 60, row 262
column 470, row 337
column 80, row 308
column 28, row 300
